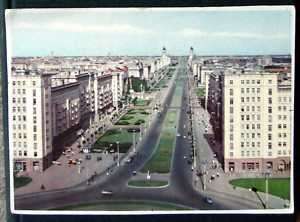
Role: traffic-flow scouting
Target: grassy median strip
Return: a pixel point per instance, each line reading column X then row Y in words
column 109, row 139
column 134, row 117
column 160, row 162
column 277, row 186
column 125, row 206
column 147, row 183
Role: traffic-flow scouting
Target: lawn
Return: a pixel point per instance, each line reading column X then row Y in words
column 133, row 117
column 125, row 206
column 142, row 102
column 160, row 162
column 111, row 136
column 21, row 181
column 147, row 183
column 277, row 186
column 200, row 92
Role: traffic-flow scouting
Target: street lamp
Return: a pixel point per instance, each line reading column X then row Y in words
column 267, row 175
column 118, row 163
column 133, row 140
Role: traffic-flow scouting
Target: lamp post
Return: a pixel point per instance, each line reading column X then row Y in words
column 118, row 149
column 133, row 140
column 267, row 175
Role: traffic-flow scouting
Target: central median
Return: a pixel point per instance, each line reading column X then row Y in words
column 160, row 161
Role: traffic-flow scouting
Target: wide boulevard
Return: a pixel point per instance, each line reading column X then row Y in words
column 180, row 190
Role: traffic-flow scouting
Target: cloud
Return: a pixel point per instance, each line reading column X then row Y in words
column 81, row 28
column 189, row 32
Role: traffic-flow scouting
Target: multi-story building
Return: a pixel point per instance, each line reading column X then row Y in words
column 30, row 124
column 257, row 121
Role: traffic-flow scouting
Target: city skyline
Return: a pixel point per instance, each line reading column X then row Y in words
column 222, row 32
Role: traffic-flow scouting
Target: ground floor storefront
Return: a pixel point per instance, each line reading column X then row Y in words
column 279, row 164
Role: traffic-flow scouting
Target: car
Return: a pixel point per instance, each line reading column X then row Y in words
column 208, row 200
column 106, row 192
column 213, row 177
column 99, row 158
column 88, row 157
column 178, row 134
column 189, row 161
column 129, row 160
column 134, row 173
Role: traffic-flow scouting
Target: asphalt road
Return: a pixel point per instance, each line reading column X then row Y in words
column 180, row 190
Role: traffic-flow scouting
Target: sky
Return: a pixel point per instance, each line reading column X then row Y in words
column 101, row 32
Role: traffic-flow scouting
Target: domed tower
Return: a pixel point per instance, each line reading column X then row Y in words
column 164, row 51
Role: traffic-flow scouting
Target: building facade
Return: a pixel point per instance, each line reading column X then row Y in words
column 256, row 122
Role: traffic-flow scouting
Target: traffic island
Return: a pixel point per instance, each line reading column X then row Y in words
column 148, row 183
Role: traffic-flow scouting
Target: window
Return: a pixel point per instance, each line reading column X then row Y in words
column 242, row 135
column 34, row 110
column 34, row 137
column 231, row 128
column 247, row 90
column 231, row 101
column 231, row 92
column 253, row 90
column 24, row 108
column 269, row 153
column 284, row 126
column 242, row 117
column 279, row 135
column 258, row 90
column 247, row 117
column 24, row 118
column 24, row 100
column 34, row 92
column 242, row 81
column 258, row 99
column 269, row 146
column 270, row 100
column 253, row 99
column 258, row 108
column 248, row 99
column 248, row 81
column 279, row 108
column 270, row 118
column 279, row 117
column 231, row 109
column 258, row 126
column 279, row 126
column 284, row 144
column 25, row 153
column 33, row 83
column 231, row 137
column 279, row 144
column 253, row 135
column 258, row 81
column 269, row 136
column 270, row 92
column 270, row 81
column 242, row 144
column 35, row 154
column 242, row 154
column 269, row 127
column 242, row 90
column 253, row 126
column 231, row 146
column 35, row 146
column 34, row 128
column 258, row 144
column 269, row 109
column 34, row 101
column 231, row 154
column 24, row 91
column 14, row 83
column 253, row 108
column 242, row 99
column 258, row 117
column 230, row 81
column 14, row 100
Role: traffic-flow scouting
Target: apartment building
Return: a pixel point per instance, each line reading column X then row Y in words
column 30, row 134
column 257, row 124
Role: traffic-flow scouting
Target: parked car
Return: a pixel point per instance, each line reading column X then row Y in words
column 208, row 200
column 88, row 157
column 106, row 192
column 134, row 173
